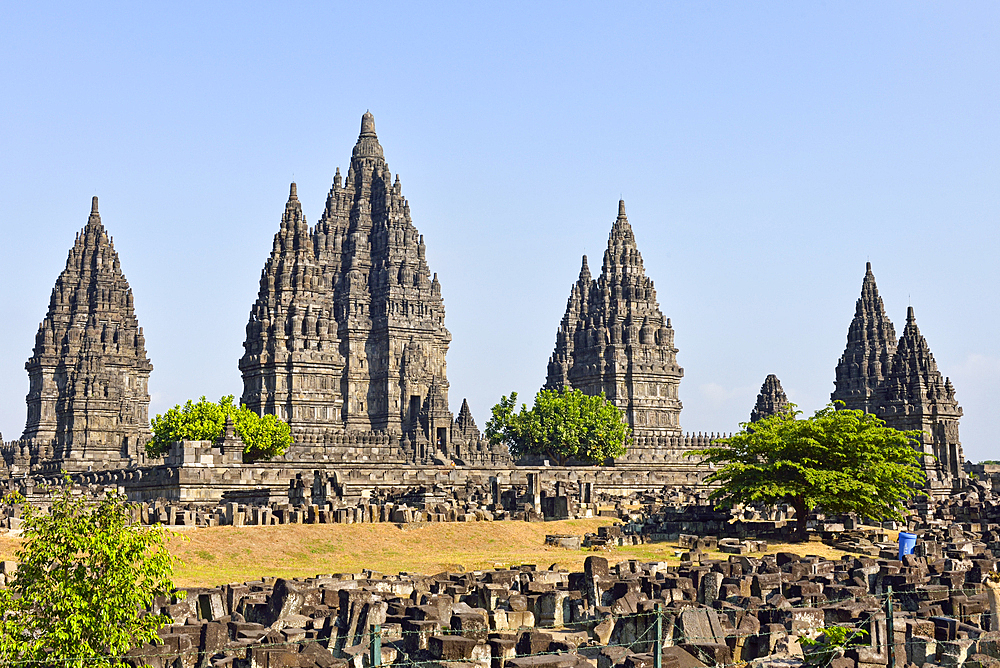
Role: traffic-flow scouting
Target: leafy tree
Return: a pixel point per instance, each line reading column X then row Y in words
column 839, row 460
column 561, row 425
column 263, row 436
column 86, row 575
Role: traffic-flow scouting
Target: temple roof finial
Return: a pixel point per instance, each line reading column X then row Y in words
column 621, row 208
column 909, row 315
column 868, row 267
column 367, row 146
column 368, row 125
column 93, row 205
column 293, row 191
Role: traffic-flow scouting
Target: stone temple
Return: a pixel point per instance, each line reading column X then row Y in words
column 347, row 342
column 900, row 383
column 88, row 400
column 614, row 339
column 347, row 333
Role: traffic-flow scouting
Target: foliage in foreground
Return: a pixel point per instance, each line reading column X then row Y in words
column 86, row 573
column 832, row 642
column 263, row 436
column 561, row 425
column 838, row 460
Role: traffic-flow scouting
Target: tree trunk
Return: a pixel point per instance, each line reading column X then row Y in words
column 799, row 503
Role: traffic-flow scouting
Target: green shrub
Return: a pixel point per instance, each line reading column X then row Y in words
column 86, row 575
column 263, row 436
column 822, row 650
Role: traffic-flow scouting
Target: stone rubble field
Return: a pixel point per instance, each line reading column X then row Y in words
column 711, row 612
column 725, row 603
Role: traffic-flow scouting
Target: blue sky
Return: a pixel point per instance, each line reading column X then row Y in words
column 765, row 152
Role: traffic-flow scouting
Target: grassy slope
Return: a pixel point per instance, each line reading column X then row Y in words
column 226, row 554
column 305, row 550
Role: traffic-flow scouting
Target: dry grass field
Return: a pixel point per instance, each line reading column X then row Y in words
column 220, row 555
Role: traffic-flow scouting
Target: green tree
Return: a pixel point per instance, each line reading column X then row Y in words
column 86, row 575
column 561, row 425
column 837, row 460
column 263, row 436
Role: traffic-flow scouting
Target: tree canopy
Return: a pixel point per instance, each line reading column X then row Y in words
column 263, row 436
column 86, row 575
column 562, row 425
column 837, row 460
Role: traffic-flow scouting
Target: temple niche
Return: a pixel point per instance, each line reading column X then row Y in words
column 88, row 397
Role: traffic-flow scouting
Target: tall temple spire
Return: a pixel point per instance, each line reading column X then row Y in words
column 88, row 400
column 292, row 361
column 348, row 329
column 871, row 342
column 771, row 400
column 900, row 383
column 915, row 395
column 614, row 339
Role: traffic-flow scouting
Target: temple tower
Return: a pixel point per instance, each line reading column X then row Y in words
column 614, row 339
column 363, row 290
column 900, row 383
column 871, row 343
column 88, row 401
column 915, row 395
column 770, row 401
column 292, row 363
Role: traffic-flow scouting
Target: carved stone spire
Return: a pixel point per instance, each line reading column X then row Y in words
column 291, row 363
column 465, row 425
column 576, row 311
column 871, row 342
column 915, row 395
column 88, row 401
column 770, row 401
column 614, row 339
column 349, row 312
